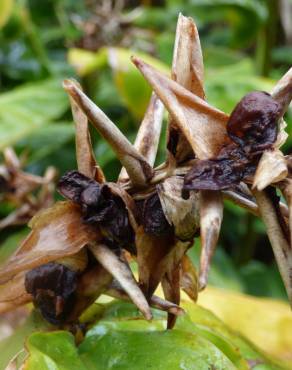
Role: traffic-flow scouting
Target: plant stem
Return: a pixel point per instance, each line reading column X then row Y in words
column 267, row 38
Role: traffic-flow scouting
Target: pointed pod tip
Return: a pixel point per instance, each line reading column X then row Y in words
column 202, row 283
column 68, row 84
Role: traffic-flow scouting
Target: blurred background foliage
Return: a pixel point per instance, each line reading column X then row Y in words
column 247, row 45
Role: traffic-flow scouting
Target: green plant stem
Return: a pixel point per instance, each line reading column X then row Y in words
column 267, row 38
column 33, row 37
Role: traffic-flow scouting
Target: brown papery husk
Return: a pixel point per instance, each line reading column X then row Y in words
column 188, row 71
column 272, row 168
column 189, row 278
column 148, row 135
column 203, row 125
column 57, row 232
column 137, row 167
column 151, row 250
column 90, row 285
column 171, row 279
column 182, row 214
column 86, row 162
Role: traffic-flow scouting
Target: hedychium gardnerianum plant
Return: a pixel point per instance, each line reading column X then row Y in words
column 81, row 248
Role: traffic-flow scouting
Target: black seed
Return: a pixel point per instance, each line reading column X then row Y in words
column 72, row 184
column 153, row 218
column 52, row 286
column 253, row 122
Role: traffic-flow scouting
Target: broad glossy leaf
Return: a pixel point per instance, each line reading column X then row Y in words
column 46, row 140
column 29, row 107
column 121, row 339
column 43, row 353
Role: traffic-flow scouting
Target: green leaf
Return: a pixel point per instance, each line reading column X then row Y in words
column 29, row 107
column 53, row 351
column 46, row 140
column 122, row 340
column 14, row 343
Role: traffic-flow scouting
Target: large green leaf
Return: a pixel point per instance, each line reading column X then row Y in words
column 29, row 107
column 122, row 340
column 54, row 351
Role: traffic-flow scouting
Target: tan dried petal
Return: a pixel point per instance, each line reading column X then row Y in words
column 137, row 167
column 183, row 214
column 272, row 168
column 148, row 136
column 203, row 125
column 211, row 214
column 121, row 271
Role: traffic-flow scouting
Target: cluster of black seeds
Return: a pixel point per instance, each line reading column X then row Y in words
column 53, row 289
column 100, row 207
column 252, row 127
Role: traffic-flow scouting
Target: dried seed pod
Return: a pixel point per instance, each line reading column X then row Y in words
column 203, row 125
column 188, row 71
